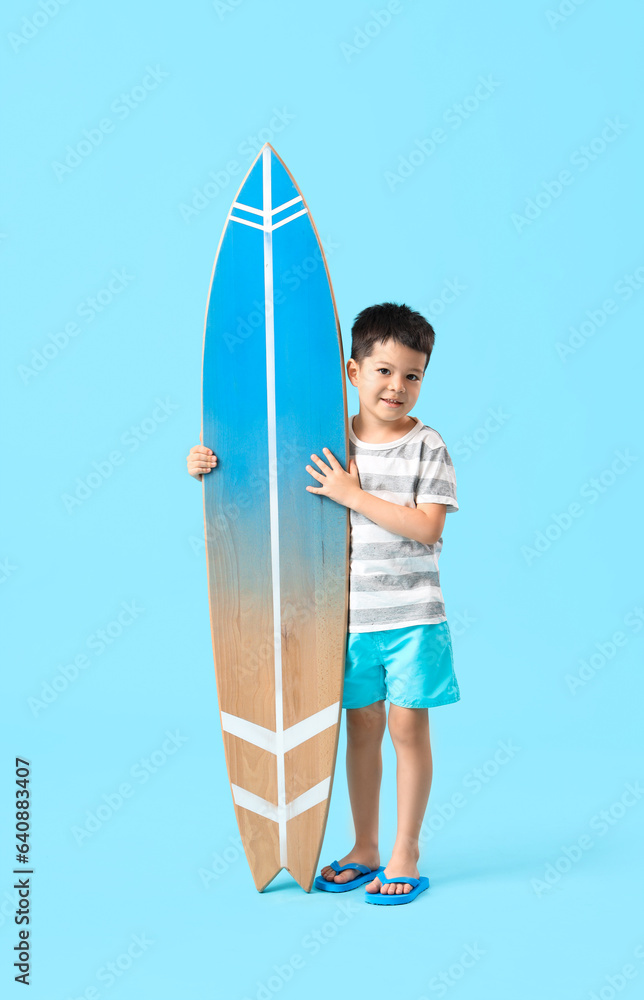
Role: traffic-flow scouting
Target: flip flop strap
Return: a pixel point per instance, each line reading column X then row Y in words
column 340, row 868
column 401, row 878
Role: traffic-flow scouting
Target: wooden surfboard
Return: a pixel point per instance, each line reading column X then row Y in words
column 277, row 555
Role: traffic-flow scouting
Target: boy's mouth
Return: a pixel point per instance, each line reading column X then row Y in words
column 393, row 403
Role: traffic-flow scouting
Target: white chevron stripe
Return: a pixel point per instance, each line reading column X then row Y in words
column 311, row 797
column 282, row 812
column 249, row 731
column 248, row 208
column 267, row 225
column 311, row 726
column 287, row 204
column 253, row 225
column 292, row 737
column 256, row 804
column 290, row 219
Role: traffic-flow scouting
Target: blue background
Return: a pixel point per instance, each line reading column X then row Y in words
column 532, row 588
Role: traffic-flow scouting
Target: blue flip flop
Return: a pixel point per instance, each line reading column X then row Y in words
column 392, row 899
column 368, row 875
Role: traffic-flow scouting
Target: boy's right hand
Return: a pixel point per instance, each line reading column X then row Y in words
column 200, row 460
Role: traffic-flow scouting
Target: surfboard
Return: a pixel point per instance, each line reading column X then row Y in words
column 277, row 555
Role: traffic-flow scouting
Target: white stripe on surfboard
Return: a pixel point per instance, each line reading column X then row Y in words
column 290, row 219
column 267, row 225
column 253, row 225
column 286, row 204
column 282, row 812
column 266, row 739
column 273, row 508
column 248, row 208
column 260, row 211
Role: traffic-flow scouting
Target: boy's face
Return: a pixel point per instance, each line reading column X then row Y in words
column 391, row 372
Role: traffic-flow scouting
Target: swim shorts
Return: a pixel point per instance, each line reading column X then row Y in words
column 412, row 667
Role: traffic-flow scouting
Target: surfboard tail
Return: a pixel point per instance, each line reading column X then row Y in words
column 260, row 837
column 304, row 844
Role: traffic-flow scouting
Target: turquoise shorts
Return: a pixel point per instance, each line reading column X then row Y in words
column 412, row 666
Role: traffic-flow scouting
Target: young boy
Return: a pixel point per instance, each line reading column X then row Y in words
column 399, row 487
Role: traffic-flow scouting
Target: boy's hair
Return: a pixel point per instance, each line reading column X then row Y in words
column 387, row 320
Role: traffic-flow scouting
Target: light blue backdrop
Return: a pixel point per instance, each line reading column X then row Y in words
column 481, row 162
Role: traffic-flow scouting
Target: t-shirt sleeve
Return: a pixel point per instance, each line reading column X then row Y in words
column 437, row 479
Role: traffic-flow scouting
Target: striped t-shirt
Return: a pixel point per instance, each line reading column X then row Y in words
column 394, row 580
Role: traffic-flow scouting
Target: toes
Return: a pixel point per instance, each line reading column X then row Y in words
column 331, row 875
column 394, row 888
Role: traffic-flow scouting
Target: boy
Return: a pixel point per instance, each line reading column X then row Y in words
column 399, row 487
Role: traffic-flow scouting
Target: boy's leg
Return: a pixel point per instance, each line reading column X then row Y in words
column 365, row 729
column 409, row 729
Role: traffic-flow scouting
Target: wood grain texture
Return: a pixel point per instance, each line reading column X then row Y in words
column 251, row 767
column 277, row 555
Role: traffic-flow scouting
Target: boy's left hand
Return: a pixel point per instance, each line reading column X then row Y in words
column 338, row 485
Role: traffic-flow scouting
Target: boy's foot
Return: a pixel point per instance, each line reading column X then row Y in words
column 400, row 864
column 372, row 860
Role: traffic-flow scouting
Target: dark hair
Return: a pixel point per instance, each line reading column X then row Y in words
column 387, row 320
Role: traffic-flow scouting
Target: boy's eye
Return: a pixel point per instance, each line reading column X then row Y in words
column 386, row 370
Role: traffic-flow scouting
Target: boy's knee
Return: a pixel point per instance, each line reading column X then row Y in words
column 408, row 726
column 367, row 722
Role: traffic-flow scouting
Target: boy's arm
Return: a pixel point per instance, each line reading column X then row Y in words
column 423, row 523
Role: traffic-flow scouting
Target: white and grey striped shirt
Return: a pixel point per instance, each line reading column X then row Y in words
column 394, row 580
